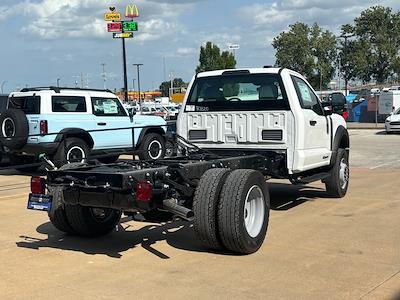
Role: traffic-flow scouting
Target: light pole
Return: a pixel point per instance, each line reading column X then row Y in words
column 138, row 81
column 58, row 82
column 104, row 75
column 2, row 85
column 171, row 75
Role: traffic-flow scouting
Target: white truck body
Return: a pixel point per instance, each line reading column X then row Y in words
column 305, row 136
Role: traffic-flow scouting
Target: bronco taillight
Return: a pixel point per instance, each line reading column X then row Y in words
column 43, row 127
column 144, row 191
column 38, row 185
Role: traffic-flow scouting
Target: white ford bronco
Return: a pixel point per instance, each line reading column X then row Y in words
column 236, row 129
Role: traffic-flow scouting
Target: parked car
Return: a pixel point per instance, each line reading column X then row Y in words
column 392, row 123
column 73, row 124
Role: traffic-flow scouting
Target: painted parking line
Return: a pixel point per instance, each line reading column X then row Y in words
column 385, row 164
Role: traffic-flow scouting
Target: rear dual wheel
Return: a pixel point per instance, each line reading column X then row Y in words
column 77, row 219
column 232, row 210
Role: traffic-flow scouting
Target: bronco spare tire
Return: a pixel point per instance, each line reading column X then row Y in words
column 14, row 129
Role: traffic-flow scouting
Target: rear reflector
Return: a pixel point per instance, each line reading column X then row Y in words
column 38, row 185
column 144, row 191
column 43, row 127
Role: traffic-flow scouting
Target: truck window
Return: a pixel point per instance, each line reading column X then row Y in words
column 307, row 98
column 30, row 105
column 68, row 104
column 237, row 93
column 107, row 107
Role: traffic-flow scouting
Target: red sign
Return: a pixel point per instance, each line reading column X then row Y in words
column 114, row 27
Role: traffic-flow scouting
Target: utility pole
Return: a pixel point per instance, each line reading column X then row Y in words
column 171, row 90
column 2, row 86
column 104, row 75
column 58, row 82
column 138, row 80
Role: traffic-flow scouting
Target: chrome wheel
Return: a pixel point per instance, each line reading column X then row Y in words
column 343, row 173
column 254, row 211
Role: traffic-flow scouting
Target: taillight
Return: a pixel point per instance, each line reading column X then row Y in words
column 43, row 127
column 38, row 185
column 345, row 115
column 144, row 191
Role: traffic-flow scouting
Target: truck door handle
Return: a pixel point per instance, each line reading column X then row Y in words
column 102, row 124
column 312, row 123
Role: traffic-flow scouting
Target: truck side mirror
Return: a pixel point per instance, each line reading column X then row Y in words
column 131, row 112
column 328, row 109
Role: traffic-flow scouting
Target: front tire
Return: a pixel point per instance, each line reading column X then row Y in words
column 243, row 211
column 338, row 181
column 152, row 147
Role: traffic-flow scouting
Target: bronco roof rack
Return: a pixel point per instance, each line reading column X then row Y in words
column 57, row 89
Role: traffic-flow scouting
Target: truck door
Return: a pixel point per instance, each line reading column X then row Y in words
column 314, row 140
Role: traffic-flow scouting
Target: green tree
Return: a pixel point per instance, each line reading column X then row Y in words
column 309, row 51
column 372, row 51
column 166, row 85
column 212, row 59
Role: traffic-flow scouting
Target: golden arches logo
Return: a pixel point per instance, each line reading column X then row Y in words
column 131, row 11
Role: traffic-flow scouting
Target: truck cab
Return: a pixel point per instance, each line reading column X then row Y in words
column 262, row 110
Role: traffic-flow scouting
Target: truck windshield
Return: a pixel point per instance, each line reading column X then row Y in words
column 237, row 93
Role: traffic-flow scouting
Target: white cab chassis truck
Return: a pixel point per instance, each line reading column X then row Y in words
column 236, row 129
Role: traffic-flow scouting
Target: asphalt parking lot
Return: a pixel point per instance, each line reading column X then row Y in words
column 316, row 247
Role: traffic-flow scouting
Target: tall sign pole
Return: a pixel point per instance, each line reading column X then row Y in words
column 122, row 29
column 125, row 72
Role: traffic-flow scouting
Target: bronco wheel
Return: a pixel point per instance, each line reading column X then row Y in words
column 152, row 147
column 338, row 181
column 71, row 150
column 243, row 211
column 14, row 128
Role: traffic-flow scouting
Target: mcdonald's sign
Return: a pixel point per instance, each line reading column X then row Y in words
column 131, row 11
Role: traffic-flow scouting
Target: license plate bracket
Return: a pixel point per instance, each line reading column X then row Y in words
column 40, row 202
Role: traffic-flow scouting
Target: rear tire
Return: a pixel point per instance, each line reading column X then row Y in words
column 205, row 207
column 338, row 181
column 90, row 221
column 152, row 147
column 71, row 150
column 57, row 214
column 243, row 211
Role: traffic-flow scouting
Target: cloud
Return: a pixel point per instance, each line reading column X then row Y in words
column 49, row 19
column 183, row 51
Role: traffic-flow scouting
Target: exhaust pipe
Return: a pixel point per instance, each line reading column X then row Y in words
column 172, row 206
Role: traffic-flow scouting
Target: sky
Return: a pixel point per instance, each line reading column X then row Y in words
column 46, row 40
